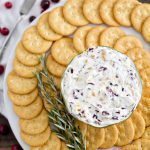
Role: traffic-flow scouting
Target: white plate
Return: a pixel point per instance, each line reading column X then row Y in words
column 12, row 118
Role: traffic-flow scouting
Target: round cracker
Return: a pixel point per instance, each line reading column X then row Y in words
column 73, row 12
column 59, row 24
column 143, row 144
column 122, row 11
column 54, row 68
column 63, row 51
column 63, row 146
column 23, row 100
column 92, row 38
column 146, row 134
column 139, row 14
column 29, row 111
column 94, row 137
column 44, row 29
column 33, row 42
column 110, row 35
column 106, row 12
column 19, row 85
column 36, row 125
column 138, row 124
column 110, row 131
column 25, row 71
column 142, row 63
column 53, row 143
column 26, row 57
column 91, row 11
column 127, row 42
column 137, row 53
column 79, row 39
column 125, row 132
column 146, row 29
column 37, row 139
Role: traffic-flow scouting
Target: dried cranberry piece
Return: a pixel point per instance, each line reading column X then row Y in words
column 1, row 69
column 8, row 5
column 55, row 1
column 45, row 4
column 4, row 129
column 4, row 31
column 31, row 18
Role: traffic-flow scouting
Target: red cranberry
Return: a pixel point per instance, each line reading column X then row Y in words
column 31, row 18
column 4, row 31
column 1, row 69
column 55, row 1
column 8, row 5
column 16, row 147
column 4, row 129
column 45, row 4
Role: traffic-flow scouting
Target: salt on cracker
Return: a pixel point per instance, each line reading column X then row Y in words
column 54, row 68
column 92, row 38
column 137, row 53
column 139, row 14
column 138, row 124
column 146, row 29
column 29, row 111
column 25, row 71
column 37, row 139
column 146, row 134
column 127, row 42
column 91, row 11
column 73, row 12
column 36, row 125
column 79, row 39
column 110, row 131
column 94, row 137
column 106, row 12
column 23, row 100
column 33, row 42
column 25, row 57
column 19, row 85
column 59, row 24
column 142, row 63
column 45, row 30
column 122, row 11
column 125, row 132
column 110, row 35
column 63, row 51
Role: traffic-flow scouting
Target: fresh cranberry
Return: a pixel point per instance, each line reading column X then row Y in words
column 31, row 18
column 4, row 129
column 4, row 31
column 16, row 147
column 45, row 4
column 55, row 1
column 1, row 69
column 8, row 5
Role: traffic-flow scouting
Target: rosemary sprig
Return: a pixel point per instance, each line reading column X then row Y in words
column 61, row 120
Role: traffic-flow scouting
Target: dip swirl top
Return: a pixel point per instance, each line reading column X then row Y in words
column 101, row 87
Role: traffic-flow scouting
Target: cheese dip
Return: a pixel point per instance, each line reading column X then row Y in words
column 101, row 87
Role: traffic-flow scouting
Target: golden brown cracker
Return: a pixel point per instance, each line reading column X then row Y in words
column 45, row 30
column 106, row 12
column 59, row 24
column 79, row 39
column 73, row 12
column 19, row 85
column 127, row 42
column 92, row 38
column 63, row 51
column 33, row 42
column 110, row 35
column 91, row 11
